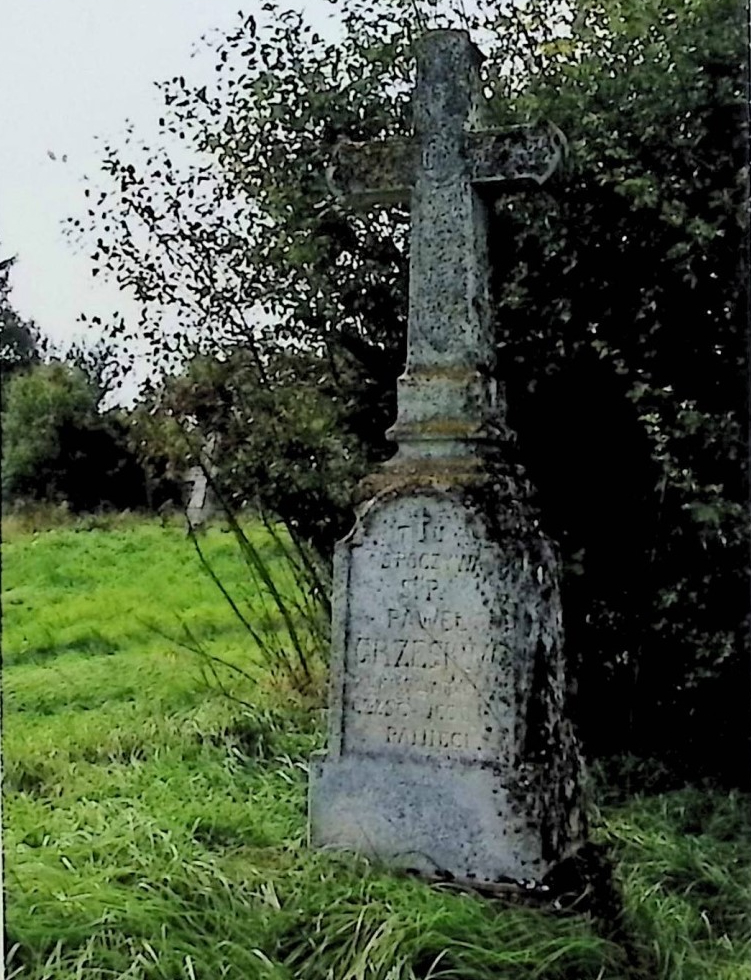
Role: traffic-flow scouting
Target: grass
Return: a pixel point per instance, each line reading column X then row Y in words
column 156, row 829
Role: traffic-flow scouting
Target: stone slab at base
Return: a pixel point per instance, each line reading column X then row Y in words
column 426, row 816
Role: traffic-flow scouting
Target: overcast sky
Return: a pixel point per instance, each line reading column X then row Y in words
column 72, row 70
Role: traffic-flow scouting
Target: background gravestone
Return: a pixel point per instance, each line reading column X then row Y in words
column 202, row 502
column 449, row 749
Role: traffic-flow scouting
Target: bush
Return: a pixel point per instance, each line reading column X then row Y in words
column 57, row 447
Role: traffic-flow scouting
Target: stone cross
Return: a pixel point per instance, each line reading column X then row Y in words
column 446, row 172
column 449, row 750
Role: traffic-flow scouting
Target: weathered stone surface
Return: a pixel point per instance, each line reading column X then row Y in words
column 449, row 749
column 447, row 725
column 202, row 502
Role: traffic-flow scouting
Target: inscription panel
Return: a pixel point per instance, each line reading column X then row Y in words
column 427, row 654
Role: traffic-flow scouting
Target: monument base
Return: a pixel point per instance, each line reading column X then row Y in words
column 449, row 750
column 430, row 817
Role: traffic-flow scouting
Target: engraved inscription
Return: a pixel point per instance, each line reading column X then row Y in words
column 427, row 661
column 424, row 653
column 432, row 561
column 427, row 738
column 444, row 619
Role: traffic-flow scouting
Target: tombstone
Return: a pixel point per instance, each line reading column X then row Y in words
column 449, row 751
column 202, row 502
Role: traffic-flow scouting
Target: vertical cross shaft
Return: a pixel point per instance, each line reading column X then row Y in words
column 448, row 273
column 447, row 393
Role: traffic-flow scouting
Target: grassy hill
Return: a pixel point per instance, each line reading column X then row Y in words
column 155, row 828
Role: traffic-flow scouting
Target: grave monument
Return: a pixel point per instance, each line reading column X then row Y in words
column 202, row 504
column 449, row 751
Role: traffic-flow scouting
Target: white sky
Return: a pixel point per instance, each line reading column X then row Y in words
column 72, row 70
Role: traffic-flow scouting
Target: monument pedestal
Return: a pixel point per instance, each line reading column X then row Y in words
column 431, row 816
column 449, row 751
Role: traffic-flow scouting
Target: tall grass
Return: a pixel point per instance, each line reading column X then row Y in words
column 686, row 878
column 289, row 596
column 291, row 611
column 156, row 829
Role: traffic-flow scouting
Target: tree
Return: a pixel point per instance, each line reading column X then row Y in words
column 99, row 361
column 286, row 444
column 57, row 447
column 621, row 307
column 19, row 339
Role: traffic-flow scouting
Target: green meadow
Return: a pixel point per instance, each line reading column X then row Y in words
column 155, row 807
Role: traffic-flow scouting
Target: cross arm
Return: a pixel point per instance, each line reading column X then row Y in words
column 523, row 153
column 373, row 173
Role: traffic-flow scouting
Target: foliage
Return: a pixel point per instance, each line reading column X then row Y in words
column 621, row 309
column 57, row 447
column 158, row 442
column 290, row 620
column 40, row 405
column 287, row 442
column 152, row 830
column 639, row 283
column 99, row 361
column 19, row 339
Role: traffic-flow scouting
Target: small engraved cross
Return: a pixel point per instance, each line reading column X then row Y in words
column 423, row 521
